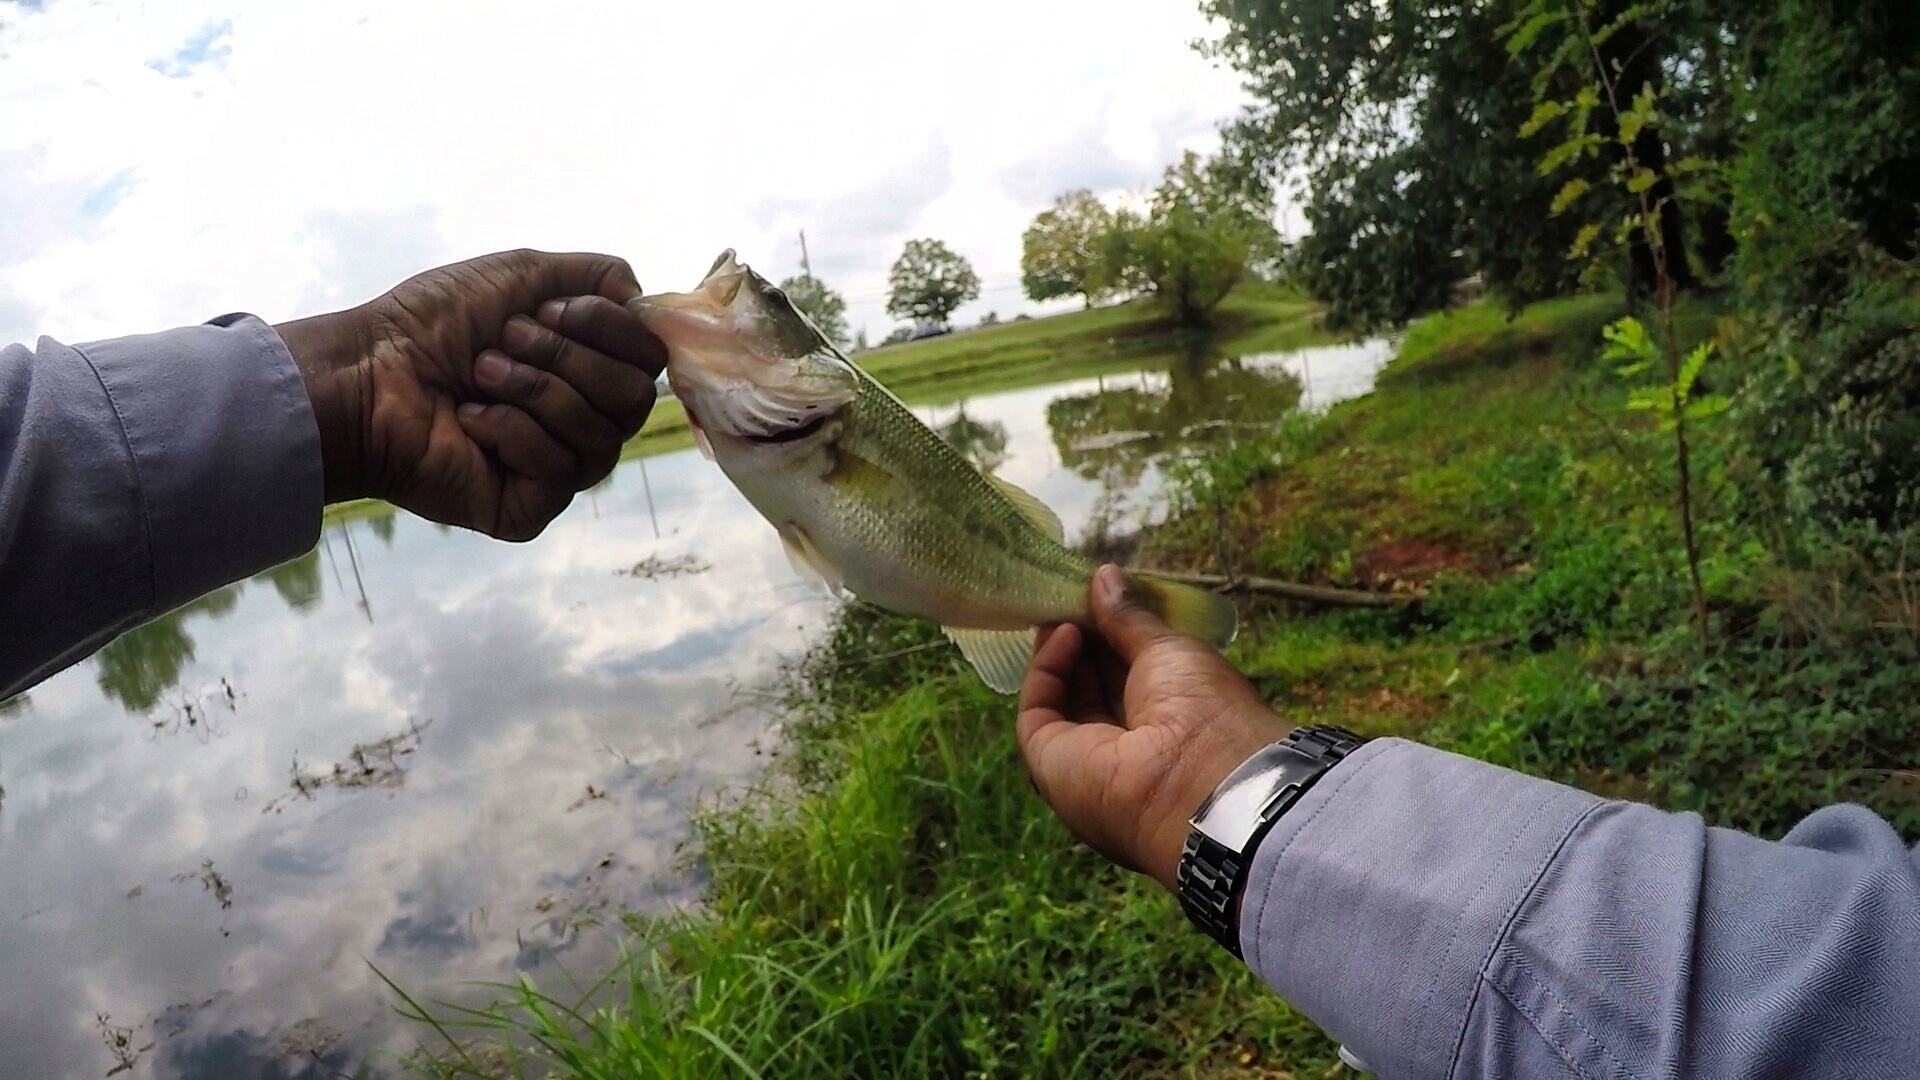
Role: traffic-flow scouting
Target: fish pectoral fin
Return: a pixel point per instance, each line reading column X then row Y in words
column 1000, row 656
column 1031, row 508
column 808, row 561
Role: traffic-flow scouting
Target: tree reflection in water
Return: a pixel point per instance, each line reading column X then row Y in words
column 142, row 667
column 1113, row 435
column 983, row 443
column 1206, row 399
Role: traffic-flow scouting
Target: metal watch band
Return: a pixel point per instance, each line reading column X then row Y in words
column 1211, row 874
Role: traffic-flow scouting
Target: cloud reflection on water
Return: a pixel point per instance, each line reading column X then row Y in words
column 565, row 714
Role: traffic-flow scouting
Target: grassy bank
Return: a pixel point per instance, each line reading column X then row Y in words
column 894, row 900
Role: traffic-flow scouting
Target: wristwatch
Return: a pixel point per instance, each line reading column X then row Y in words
column 1224, row 833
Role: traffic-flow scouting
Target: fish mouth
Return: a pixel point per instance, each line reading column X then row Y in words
column 792, row 434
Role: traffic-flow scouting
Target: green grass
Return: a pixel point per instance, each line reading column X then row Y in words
column 892, row 899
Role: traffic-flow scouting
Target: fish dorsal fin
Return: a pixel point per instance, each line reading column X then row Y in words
column 1031, row 508
column 808, row 561
column 1000, row 656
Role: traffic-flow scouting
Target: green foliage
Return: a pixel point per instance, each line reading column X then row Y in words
column 826, row 308
column 1827, row 217
column 929, row 282
column 1755, row 736
column 1058, row 251
column 1831, row 409
column 1402, row 122
column 1670, row 402
column 1209, row 222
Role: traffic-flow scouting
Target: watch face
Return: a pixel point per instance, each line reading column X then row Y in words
column 1230, row 817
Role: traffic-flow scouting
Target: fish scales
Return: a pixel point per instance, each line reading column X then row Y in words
column 865, row 496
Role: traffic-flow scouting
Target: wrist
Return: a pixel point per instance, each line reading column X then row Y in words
column 1211, row 754
column 330, row 352
column 1227, row 830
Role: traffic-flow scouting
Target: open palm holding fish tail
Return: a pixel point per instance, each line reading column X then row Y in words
column 868, row 499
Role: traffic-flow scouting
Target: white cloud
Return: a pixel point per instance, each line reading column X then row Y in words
column 166, row 163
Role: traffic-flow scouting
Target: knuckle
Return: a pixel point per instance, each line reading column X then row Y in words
column 537, row 384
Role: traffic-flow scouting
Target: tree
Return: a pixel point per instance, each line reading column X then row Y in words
column 1059, row 250
column 929, row 282
column 1207, row 222
column 826, row 308
column 1402, row 123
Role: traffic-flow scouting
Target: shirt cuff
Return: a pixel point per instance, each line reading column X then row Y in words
column 1375, row 902
column 224, row 447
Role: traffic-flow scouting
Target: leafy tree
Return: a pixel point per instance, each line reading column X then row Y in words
column 860, row 341
column 928, row 283
column 897, row 335
column 1208, row 221
column 1402, row 121
column 1058, row 251
column 826, row 308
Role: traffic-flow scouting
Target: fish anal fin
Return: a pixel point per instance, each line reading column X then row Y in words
column 808, row 561
column 1031, row 508
column 1000, row 656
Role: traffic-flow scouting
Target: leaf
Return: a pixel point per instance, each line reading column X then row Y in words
column 1632, row 12
column 1707, row 405
column 1546, row 112
column 1654, row 399
column 1567, row 151
column 1584, row 239
column 1570, row 192
column 1627, row 340
column 1692, row 164
column 1531, row 30
column 1642, row 179
column 1690, row 368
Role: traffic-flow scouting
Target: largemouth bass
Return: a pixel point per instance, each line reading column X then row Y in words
column 866, row 498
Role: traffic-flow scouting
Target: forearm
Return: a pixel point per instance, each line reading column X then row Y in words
column 1443, row 917
column 139, row 473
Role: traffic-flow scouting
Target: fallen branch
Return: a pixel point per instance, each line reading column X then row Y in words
column 1292, row 590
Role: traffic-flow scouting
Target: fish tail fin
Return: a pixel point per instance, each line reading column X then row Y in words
column 1189, row 609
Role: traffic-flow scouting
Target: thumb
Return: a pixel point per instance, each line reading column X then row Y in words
column 1122, row 620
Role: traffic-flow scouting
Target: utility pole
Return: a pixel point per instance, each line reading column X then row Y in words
column 806, row 267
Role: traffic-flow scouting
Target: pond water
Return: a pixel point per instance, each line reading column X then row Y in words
column 456, row 760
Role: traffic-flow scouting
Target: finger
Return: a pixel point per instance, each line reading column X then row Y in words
column 1043, row 694
column 578, row 273
column 520, row 444
column 1130, row 628
column 557, row 407
column 621, row 392
column 610, row 328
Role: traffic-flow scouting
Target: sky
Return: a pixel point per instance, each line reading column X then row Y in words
column 163, row 163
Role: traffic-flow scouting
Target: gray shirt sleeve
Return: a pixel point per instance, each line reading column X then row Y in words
column 139, row 473
column 1446, row 918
